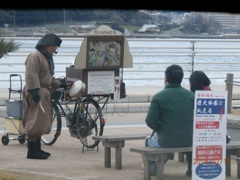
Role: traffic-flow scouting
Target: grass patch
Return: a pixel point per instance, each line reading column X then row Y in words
column 11, row 175
column 59, row 29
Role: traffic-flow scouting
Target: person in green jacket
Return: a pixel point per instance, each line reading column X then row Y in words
column 170, row 114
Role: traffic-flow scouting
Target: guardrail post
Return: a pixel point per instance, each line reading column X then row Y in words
column 193, row 54
column 238, row 167
column 229, row 88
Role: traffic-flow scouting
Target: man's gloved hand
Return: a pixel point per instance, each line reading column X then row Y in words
column 63, row 85
column 35, row 95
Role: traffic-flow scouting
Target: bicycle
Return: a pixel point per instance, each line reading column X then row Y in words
column 84, row 121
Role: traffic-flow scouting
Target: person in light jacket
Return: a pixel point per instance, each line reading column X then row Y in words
column 39, row 85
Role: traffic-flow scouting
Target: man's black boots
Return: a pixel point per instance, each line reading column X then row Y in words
column 40, row 149
column 33, row 152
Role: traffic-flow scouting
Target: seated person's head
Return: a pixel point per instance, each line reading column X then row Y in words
column 198, row 80
column 174, row 74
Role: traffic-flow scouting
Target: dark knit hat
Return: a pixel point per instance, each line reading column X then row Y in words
column 49, row 39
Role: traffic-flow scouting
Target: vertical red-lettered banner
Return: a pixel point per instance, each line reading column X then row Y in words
column 209, row 135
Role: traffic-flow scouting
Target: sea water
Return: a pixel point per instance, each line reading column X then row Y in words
column 148, row 66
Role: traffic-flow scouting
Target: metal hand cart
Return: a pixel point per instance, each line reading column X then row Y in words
column 14, row 110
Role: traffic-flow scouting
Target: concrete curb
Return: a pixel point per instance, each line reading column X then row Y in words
column 130, row 104
column 133, row 103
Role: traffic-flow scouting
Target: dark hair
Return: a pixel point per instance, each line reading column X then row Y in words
column 198, row 80
column 174, row 74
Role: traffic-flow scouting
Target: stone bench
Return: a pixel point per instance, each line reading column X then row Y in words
column 117, row 142
column 150, row 154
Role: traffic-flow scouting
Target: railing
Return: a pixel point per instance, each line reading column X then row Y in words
column 230, row 83
column 216, row 57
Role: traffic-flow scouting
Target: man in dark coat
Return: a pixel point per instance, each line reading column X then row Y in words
column 39, row 84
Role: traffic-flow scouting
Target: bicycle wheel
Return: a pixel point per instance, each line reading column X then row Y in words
column 51, row 138
column 89, row 122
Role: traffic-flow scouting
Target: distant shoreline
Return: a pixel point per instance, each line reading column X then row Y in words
column 191, row 36
column 140, row 36
column 29, row 32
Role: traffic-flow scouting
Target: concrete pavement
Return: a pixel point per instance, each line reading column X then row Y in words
column 69, row 163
